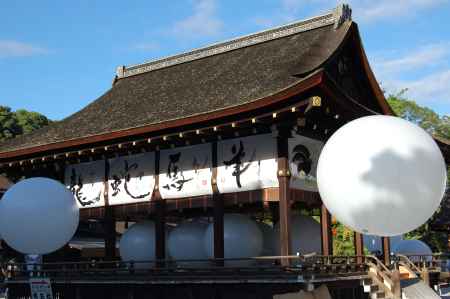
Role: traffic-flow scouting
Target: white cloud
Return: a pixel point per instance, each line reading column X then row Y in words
column 429, row 89
column 369, row 10
column 427, row 56
column 11, row 48
column 424, row 72
column 203, row 21
column 366, row 11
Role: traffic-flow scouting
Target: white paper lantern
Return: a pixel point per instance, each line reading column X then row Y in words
column 374, row 244
column 38, row 216
column 185, row 242
column 381, row 175
column 413, row 247
column 305, row 235
column 241, row 235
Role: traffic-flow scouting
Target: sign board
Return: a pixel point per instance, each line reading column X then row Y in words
column 247, row 163
column 304, row 154
column 186, row 171
column 41, row 288
column 86, row 181
column 131, row 178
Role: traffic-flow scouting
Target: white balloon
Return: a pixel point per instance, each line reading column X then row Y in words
column 38, row 216
column 138, row 244
column 373, row 243
column 381, row 175
column 394, row 240
column 241, row 235
column 305, row 235
column 185, row 242
column 413, row 247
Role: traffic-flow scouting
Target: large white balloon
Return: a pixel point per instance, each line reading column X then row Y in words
column 38, row 216
column 185, row 242
column 138, row 244
column 373, row 243
column 413, row 247
column 241, row 235
column 381, row 175
column 305, row 235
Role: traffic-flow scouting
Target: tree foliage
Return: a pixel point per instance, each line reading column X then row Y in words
column 14, row 123
column 424, row 117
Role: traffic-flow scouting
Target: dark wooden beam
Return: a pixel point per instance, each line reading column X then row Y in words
column 109, row 222
column 325, row 225
column 386, row 248
column 284, row 193
column 218, row 210
column 110, row 234
column 359, row 246
column 160, row 228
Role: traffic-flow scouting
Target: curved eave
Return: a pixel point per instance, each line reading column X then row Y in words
column 313, row 80
column 370, row 75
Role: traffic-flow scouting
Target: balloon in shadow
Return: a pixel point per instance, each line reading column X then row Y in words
column 413, row 248
column 305, row 235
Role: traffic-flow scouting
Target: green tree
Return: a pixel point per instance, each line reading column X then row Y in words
column 9, row 127
column 438, row 126
column 19, row 122
column 422, row 116
column 30, row 121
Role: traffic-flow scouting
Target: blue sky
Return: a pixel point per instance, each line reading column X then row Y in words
column 57, row 56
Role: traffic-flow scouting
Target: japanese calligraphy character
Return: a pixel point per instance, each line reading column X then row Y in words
column 237, row 162
column 76, row 186
column 174, row 173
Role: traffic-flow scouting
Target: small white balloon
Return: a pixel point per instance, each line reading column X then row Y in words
column 305, row 235
column 381, row 175
column 38, row 216
column 137, row 244
column 242, row 237
column 374, row 245
column 185, row 241
column 413, row 247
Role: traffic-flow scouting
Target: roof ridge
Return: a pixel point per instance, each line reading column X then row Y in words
column 336, row 17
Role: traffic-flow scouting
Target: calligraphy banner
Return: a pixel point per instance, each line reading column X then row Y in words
column 304, row 154
column 186, row 171
column 131, row 178
column 86, row 181
column 247, row 163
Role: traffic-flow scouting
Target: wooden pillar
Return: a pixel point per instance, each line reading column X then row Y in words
column 284, row 193
column 386, row 248
column 359, row 246
column 218, row 207
column 109, row 222
column 160, row 229
column 160, row 215
column 325, row 228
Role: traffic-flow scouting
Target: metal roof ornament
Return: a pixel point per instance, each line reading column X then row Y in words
column 342, row 13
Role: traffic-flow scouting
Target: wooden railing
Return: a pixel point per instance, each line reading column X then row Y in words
column 302, row 267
